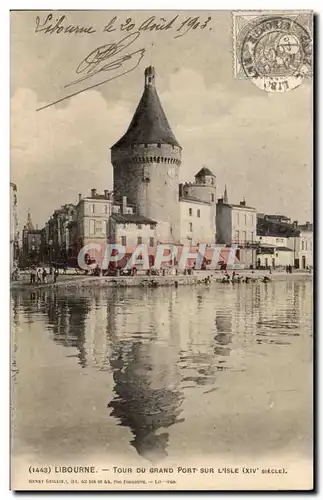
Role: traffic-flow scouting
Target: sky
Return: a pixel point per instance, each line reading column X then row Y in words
column 257, row 143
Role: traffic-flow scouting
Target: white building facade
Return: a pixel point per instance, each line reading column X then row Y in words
column 235, row 224
column 304, row 246
column 197, row 202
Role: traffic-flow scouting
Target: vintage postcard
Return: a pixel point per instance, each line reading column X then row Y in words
column 161, row 250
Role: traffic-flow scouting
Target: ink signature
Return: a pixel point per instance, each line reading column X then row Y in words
column 100, row 61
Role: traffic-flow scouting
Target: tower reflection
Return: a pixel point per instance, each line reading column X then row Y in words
column 146, row 376
column 143, row 402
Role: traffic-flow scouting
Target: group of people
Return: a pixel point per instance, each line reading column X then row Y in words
column 289, row 269
column 38, row 276
column 237, row 278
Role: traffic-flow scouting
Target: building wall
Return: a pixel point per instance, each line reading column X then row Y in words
column 148, row 176
column 203, row 192
column 223, row 224
column 235, row 224
column 244, row 224
column 132, row 232
column 92, row 220
column 280, row 241
column 203, row 226
column 282, row 258
column 32, row 241
column 304, row 249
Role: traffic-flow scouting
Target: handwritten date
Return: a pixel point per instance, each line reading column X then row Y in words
column 152, row 23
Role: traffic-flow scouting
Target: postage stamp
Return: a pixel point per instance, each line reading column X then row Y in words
column 273, row 50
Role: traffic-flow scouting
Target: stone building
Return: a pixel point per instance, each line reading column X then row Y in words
column 92, row 216
column 304, row 246
column 32, row 243
column 14, row 235
column 276, row 241
column 235, row 223
column 131, row 230
column 146, row 162
column 57, row 239
column 198, row 209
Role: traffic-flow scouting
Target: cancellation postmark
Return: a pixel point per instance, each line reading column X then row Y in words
column 273, row 50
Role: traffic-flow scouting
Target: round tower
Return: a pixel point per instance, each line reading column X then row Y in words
column 146, row 163
column 204, row 187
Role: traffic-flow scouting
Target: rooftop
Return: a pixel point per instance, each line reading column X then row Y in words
column 204, row 171
column 132, row 219
column 268, row 227
column 240, row 205
column 306, row 227
column 149, row 124
column 190, row 199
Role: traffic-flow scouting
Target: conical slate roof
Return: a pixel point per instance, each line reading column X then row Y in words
column 149, row 124
column 204, row 171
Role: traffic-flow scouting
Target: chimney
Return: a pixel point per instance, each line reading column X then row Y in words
column 243, row 203
column 80, row 196
column 106, row 194
column 37, row 226
column 295, row 223
column 124, row 205
column 93, row 193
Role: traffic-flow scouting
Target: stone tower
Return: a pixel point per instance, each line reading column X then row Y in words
column 204, row 187
column 146, row 163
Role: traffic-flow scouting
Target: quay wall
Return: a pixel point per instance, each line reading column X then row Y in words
column 151, row 281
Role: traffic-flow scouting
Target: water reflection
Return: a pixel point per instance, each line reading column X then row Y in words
column 144, row 402
column 278, row 321
column 161, row 351
column 66, row 318
column 223, row 336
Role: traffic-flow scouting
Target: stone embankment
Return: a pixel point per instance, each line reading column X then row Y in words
column 200, row 277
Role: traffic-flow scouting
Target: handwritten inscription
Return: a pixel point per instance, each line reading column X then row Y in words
column 99, row 60
column 57, row 27
column 51, row 26
column 113, row 60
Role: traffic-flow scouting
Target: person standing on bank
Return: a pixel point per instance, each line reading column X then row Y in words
column 56, row 272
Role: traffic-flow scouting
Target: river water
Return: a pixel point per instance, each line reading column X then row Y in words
column 151, row 374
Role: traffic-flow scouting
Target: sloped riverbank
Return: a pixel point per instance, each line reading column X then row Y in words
column 76, row 282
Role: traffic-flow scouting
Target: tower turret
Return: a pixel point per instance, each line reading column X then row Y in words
column 150, row 76
column 204, row 188
column 146, row 163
